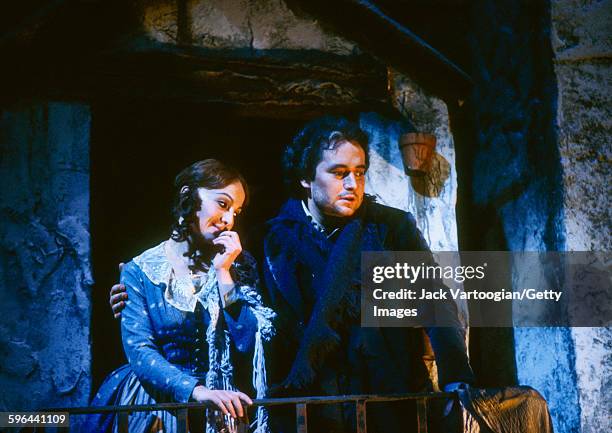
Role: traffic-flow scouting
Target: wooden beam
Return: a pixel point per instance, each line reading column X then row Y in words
column 269, row 83
column 364, row 22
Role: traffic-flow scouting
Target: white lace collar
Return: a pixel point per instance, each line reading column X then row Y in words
column 164, row 264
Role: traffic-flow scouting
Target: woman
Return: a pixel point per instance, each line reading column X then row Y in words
column 192, row 301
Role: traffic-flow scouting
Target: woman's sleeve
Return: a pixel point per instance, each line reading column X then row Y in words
column 153, row 371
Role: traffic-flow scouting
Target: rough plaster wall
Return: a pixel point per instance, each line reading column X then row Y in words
column 45, row 274
column 517, row 173
column 386, row 179
column 583, row 52
column 545, row 361
column 256, row 24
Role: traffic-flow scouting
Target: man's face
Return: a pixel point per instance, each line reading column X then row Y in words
column 338, row 186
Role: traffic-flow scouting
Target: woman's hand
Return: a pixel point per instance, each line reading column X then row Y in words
column 228, row 402
column 230, row 241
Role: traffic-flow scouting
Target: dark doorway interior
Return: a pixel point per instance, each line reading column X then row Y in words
column 137, row 147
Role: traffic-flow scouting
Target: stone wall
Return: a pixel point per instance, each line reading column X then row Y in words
column 259, row 25
column 45, row 274
column 432, row 198
column 541, row 170
column 583, row 57
column 516, row 174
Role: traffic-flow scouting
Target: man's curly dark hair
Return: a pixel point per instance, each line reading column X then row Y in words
column 209, row 174
column 305, row 151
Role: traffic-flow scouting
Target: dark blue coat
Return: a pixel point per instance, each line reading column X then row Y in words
column 367, row 360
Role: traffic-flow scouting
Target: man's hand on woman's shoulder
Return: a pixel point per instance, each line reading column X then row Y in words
column 117, row 297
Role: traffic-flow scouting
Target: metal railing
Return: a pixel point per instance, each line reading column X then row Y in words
column 301, row 405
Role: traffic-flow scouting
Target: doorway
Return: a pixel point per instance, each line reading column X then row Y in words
column 137, row 147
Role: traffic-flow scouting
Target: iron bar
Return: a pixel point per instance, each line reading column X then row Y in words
column 421, row 405
column 258, row 402
column 123, row 419
column 360, row 410
column 181, row 421
column 301, row 418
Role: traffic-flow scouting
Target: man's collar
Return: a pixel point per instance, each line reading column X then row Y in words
column 316, row 224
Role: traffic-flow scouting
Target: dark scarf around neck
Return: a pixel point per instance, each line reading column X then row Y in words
column 333, row 276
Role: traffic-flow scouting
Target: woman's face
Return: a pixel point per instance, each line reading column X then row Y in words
column 219, row 209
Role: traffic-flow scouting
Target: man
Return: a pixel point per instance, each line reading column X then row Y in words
column 312, row 252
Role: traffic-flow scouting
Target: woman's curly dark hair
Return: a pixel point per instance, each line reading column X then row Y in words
column 305, row 151
column 209, row 174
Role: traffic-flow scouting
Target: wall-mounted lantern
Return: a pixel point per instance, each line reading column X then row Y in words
column 417, row 149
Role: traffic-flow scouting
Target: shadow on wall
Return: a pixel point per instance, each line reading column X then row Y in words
column 436, row 174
